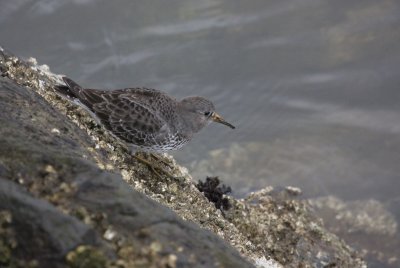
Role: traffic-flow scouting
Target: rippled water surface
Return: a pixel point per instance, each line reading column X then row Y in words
column 312, row 86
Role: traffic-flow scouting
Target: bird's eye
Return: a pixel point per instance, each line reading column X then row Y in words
column 207, row 113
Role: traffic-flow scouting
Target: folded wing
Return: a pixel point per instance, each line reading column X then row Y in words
column 130, row 119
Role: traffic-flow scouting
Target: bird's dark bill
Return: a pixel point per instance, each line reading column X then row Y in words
column 217, row 118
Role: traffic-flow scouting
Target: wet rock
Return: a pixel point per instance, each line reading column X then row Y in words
column 367, row 223
column 283, row 227
column 64, row 209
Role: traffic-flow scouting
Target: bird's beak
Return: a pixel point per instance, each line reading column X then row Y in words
column 217, row 118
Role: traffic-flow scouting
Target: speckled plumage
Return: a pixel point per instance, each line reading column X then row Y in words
column 147, row 119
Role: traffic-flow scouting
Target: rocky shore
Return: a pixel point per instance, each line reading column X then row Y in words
column 72, row 196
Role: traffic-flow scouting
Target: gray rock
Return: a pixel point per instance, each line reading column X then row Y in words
column 69, row 201
column 367, row 223
column 42, row 232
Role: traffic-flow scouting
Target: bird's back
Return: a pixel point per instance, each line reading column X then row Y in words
column 145, row 118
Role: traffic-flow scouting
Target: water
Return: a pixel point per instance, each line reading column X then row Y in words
column 312, row 86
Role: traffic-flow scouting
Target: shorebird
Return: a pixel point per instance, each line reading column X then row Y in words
column 145, row 119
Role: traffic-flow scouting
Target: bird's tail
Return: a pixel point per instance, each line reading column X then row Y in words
column 70, row 90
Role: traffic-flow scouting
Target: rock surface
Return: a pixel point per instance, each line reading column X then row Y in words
column 60, row 205
column 367, row 223
column 53, row 155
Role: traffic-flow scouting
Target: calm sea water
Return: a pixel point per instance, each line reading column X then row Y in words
column 312, row 86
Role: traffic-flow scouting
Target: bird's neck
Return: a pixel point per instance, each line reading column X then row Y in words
column 191, row 126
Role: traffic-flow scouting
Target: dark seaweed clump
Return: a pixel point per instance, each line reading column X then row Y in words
column 214, row 192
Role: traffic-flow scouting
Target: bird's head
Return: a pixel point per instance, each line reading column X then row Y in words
column 200, row 111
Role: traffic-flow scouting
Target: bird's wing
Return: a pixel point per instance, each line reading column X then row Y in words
column 127, row 114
